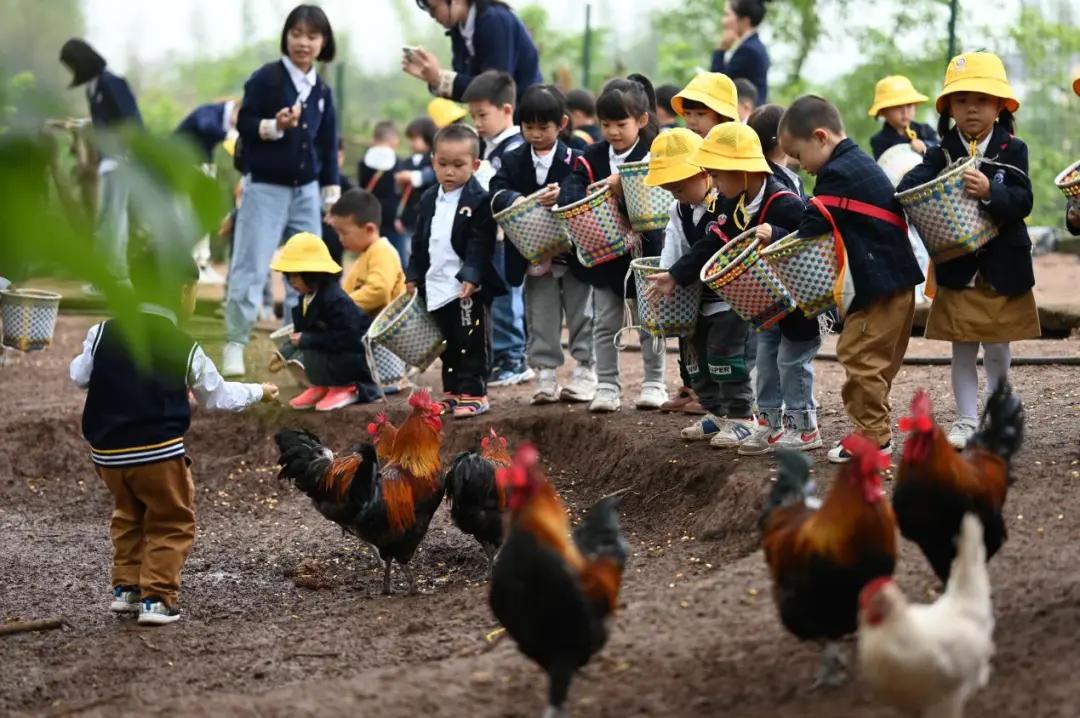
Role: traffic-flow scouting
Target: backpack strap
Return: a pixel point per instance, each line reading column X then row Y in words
column 863, row 208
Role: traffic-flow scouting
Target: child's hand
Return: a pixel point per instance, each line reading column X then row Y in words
column 919, row 146
column 410, row 287
column 270, row 393
column 976, row 184
column 294, row 338
column 550, row 196
column 467, row 290
column 764, row 233
column 615, row 183
column 660, row 285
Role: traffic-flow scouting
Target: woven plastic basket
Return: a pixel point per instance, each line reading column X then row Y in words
column 388, row 366
column 808, row 269
column 597, row 228
column 647, row 207
column 897, row 161
column 408, row 331
column 950, row 223
column 1069, row 181
column 534, row 230
column 29, row 317
column 673, row 316
column 746, row 282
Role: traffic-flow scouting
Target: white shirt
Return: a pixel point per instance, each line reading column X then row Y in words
column 468, row 30
column 441, row 279
column 542, row 163
column 491, row 144
column 615, row 159
column 676, row 244
column 755, row 204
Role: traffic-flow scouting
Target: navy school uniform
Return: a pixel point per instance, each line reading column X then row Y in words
column 888, row 137
column 331, row 330
column 111, row 101
column 382, row 185
column 749, row 61
column 500, row 42
column 205, row 127
column 419, row 162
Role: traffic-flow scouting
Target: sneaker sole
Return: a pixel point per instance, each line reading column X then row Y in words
column 471, row 414
column 572, row 398
column 544, row 399
column 123, row 607
column 804, row 447
column 603, row 410
column 153, row 619
column 339, row 405
column 745, row 450
column 646, row 406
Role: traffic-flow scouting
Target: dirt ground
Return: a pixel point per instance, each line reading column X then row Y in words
column 283, row 616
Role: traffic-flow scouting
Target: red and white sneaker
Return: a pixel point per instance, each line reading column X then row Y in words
column 764, row 439
column 338, row 398
column 308, row 398
column 801, row 440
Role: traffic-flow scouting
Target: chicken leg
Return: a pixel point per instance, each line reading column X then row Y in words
column 832, row 673
column 411, row 579
column 387, row 589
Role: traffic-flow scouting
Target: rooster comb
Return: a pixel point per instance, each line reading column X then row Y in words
column 865, row 454
column 920, row 420
column 420, row 399
column 493, row 438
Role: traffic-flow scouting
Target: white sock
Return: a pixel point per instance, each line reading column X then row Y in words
column 965, row 379
column 996, row 360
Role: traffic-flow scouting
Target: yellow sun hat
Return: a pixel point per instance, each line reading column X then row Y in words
column 715, row 90
column 894, row 91
column 978, row 72
column 444, row 112
column 731, row 146
column 304, row 252
column 668, row 157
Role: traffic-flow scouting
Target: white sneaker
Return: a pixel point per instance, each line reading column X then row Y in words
column 733, row 433
column 232, row 360
column 706, row 427
column 764, row 439
column 961, row 432
column 582, row 386
column 606, row 399
column 801, row 440
column 155, row 612
column 547, row 388
column 653, row 395
column 839, row 455
column 125, row 599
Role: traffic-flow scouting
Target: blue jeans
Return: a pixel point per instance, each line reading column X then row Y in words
column 269, row 214
column 507, row 321
column 785, row 379
column 111, row 226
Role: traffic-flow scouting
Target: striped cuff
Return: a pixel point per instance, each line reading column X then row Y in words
column 138, row 454
column 445, row 88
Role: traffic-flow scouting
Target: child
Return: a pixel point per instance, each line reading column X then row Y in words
column 288, row 132
column 491, row 98
column 765, row 122
column 748, row 97
column 329, row 235
column 445, row 112
column 327, row 329
column 665, row 114
column 135, row 418
column 627, row 113
column 984, row 297
column 895, row 100
column 375, row 279
column 376, row 174
column 878, row 304
column 453, row 270
column 706, row 101
column 556, row 288
column 415, row 174
column 582, row 108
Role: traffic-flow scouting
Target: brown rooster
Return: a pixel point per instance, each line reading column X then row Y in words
column 383, row 432
column 822, row 553
column 475, row 500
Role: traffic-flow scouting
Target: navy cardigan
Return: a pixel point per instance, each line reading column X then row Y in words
column 112, row 102
column 306, row 153
column 500, row 42
column 333, row 323
column 1005, row 261
column 749, row 61
column 205, row 127
column 887, row 137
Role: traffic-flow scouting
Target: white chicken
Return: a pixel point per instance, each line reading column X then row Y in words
column 928, row 660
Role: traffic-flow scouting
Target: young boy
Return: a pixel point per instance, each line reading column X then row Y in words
column 895, row 100
column 581, row 105
column 706, row 101
column 665, row 113
column 452, row 268
column 375, row 278
column 135, row 418
column 376, row 174
column 878, row 303
column 490, row 97
column 558, row 287
column 748, row 97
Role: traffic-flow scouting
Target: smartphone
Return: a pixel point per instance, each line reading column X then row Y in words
column 408, row 51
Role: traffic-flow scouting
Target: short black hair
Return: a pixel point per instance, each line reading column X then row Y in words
column 314, row 17
column 384, row 130
column 83, row 60
column 809, row 113
column 359, row 205
column 422, row 127
column 494, row 86
column 765, row 121
column 746, row 90
column 542, row 104
column 664, row 95
column 752, row 10
column 581, row 100
column 458, row 133
column 315, row 280
column 695, row 105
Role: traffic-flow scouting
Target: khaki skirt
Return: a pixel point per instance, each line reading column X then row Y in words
column 979, row 314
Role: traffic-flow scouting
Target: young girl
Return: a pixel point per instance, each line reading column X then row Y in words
column 288, row 135
column 985, row 297
column 895, row 100
column 415, row 176
column 626, row 109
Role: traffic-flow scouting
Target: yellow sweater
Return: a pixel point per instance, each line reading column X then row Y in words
column 375, row 278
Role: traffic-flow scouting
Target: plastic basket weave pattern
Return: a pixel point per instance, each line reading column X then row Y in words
column 388, row 366
column 746, row 282
column 1069, row 181
column 648, row 207
column 950, row 223
column 596, row 227
column 29, row 317
column 534, row 230
column 406, row 329
column 669, row 316
column 808, row 268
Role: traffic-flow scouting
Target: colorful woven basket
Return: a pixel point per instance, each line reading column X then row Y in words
column 739, row 275
column 408, row 331
column 673, row 316
column 534, row 230
column 808, row 269
column 29, row 317
column 647, row 207
column 1069, row 181
column 950, row 223
column 597, row 228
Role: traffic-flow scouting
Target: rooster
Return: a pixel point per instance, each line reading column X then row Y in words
column 821, row 553
column 382, row 432
column 928, row 660
column 936, row 486
column 387, row 501
column 552, row 592
column 475, row 501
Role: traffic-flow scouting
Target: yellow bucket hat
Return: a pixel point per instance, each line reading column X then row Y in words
column 715, row 90
column 978, row 72
column 894, row 91
column 668, row 157
column 304, row 252
column 731, row 146
column 444, row 112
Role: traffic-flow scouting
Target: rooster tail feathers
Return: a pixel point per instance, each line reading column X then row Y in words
column 461, row 473
column 303, row 458
column 969, row 577
column 599, row 534
column 792, row 482
column 1001, row 429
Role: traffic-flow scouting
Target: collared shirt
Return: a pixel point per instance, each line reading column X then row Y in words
column 491, row 145
column 441, row 279
column 304, row 82
column 730, row 52
column 755, row 204
column 468, row 30
column 676, row 244
column 542, row 163
column 615, row 159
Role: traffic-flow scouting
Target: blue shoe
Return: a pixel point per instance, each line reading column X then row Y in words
column 155, row 612
column 503, row 376
column 125, row 599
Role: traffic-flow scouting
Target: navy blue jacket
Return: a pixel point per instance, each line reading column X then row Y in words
column 385, row 190
column 1005, row 261
column 205, row 127
column 112, row 102
column 501, row 42
column 749, row 61
column 880, row 258
column 517, row 178
column 306, row 153
column 887, row 137
column 417, row 163
column 472, row 237
column 332, row 323
column 499, row 151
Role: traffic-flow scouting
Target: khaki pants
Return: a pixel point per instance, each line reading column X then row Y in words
column 871, row 349
column 153, row 525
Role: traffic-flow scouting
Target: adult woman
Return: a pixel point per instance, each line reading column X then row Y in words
column 484, row 35
column 740, row 52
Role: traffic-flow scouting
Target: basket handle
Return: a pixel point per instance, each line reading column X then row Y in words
column 369, row 354
column 628, row 319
